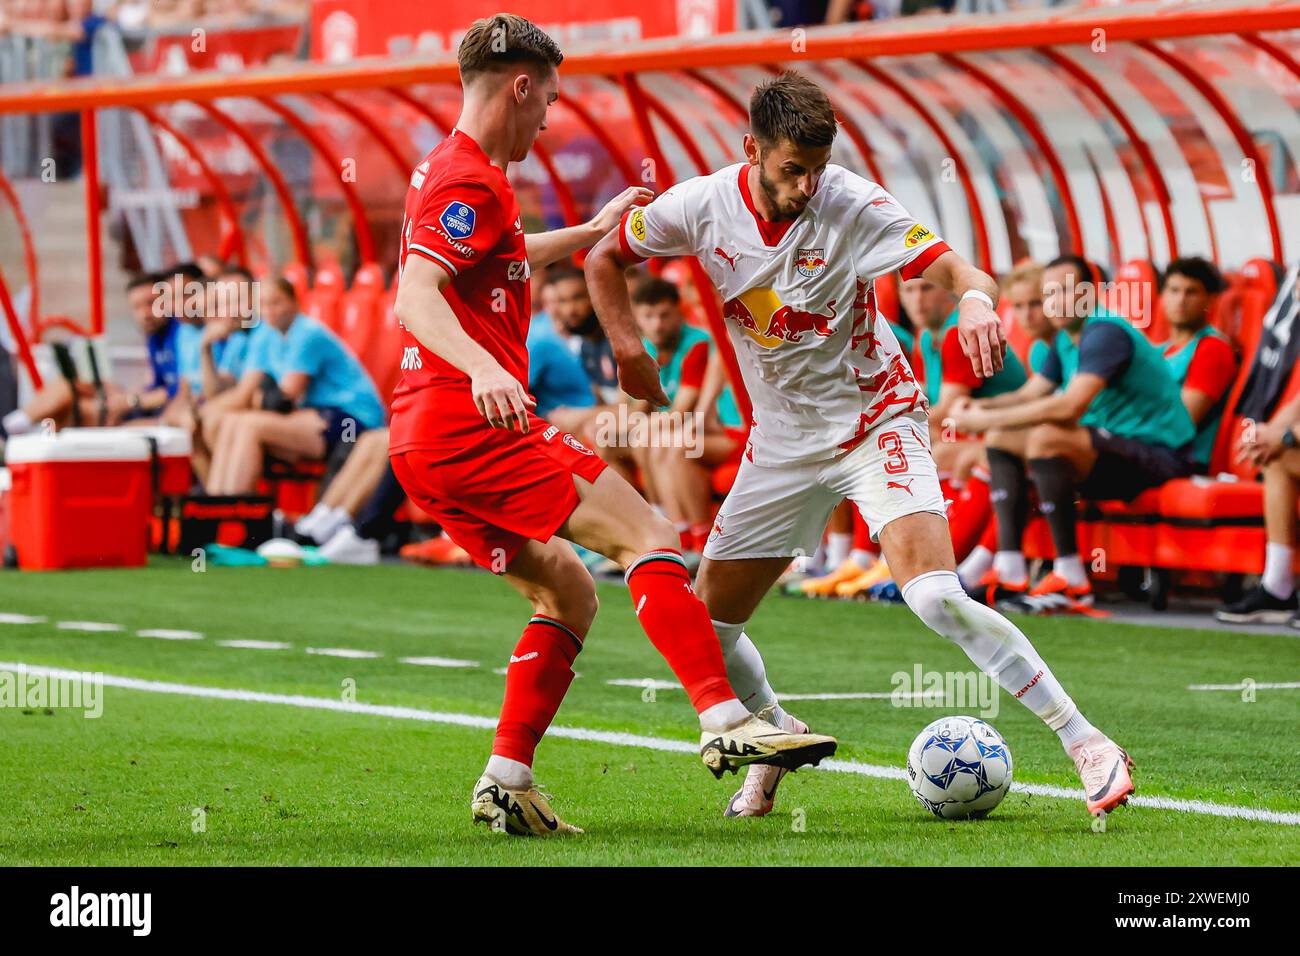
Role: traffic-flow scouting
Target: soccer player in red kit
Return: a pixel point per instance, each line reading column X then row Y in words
column 505, row 485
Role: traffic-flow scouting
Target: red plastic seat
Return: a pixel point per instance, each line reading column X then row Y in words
column 358, row 314
column 383, row 353
column 296, row 273
column 322, row 304
column 370, row 277
column 1134, row 296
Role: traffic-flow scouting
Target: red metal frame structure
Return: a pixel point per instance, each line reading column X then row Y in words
column 29, row 254
column 958, row 42
column 238, row 246
column 297, row 229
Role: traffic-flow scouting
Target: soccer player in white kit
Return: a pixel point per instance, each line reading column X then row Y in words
column 793, row 242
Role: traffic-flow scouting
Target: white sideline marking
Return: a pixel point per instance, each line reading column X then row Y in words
column 865, row 695
column 7, row 618
column 167, row 634
column 868, row 695
column 644, row 682
column 1293, row 685
column 618, row 739
column 341, row 652
column 436, row 662
column 257, row 645
column 88, row 626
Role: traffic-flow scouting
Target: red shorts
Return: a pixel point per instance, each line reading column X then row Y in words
column 505, row 489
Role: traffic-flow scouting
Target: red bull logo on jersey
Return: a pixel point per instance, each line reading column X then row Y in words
column 770, row 322
column 810, row 263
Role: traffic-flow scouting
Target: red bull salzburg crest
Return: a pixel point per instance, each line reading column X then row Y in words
column 810, row 263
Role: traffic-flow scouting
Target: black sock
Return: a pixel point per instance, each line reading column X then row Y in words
column 1054, row 479
column 1010, row 501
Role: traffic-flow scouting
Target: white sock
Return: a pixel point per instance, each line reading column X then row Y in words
column 975, row 566
column 1076, row 731
column 1010, row 566
column 17, row 422
column 328, row 525
column 723, row 716
column 745, row 669
column 838, row 544
column 1279, row 576
column 511, row 774
column 862, row 558
column 1070, row 567
column 994, row 645
column 307, row 523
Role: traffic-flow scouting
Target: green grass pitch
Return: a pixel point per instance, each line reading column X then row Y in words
column 180, row 779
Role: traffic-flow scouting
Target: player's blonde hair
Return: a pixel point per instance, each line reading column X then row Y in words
column 502, row 42
column 1027, row 271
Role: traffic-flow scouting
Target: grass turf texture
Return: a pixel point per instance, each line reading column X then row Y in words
column 283, row 785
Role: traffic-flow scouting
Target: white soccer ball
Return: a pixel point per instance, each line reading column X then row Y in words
column 959, row 767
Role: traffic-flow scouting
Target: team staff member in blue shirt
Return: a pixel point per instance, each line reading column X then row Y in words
column 55, row 400
column 314, row 395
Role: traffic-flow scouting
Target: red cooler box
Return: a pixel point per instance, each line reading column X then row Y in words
column 173, row 446
column 79, row 499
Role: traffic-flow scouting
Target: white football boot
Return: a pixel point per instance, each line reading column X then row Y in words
column 517, row 812
column 1103, row 767
column 758, row 742
column 757, row 794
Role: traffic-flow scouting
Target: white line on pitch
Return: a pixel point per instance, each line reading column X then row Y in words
column 436, row 662
column 342, row 652
column 1253, row 685
column 657, row 684
column 167, row 634
column 1203, row 807
column 8, row 618
column 88, row 626
column 256, row 645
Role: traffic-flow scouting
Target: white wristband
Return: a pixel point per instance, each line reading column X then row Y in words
column 977, row 294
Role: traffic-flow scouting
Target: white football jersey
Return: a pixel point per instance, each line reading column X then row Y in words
column 820, row 365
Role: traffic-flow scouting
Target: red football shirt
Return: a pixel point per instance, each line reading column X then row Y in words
column 462, row 215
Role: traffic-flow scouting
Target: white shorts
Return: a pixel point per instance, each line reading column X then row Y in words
column 781, row 511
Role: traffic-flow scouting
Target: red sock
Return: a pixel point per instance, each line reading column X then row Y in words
column 969, row 515
column 990, row 538
column 862, row 534
column 539, row 674
column 700, row 535
column 679, row 626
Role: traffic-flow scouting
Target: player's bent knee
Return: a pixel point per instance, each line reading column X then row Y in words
column 939, row 600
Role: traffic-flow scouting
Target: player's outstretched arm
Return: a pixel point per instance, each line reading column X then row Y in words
column 547, row 247
column 1063, row 407
column 638, row 373
column 424, row 311
column 978, row 327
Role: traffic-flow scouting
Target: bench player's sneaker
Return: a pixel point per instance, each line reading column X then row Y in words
column 1103, row 767
column 1055, row 595
column 757, row 742
column 757, row 794
column 1258, row 606
column 517, row 812
column 825, row 585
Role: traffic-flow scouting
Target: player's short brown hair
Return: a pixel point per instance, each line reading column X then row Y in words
column 652, row 290
column 792, row 108
column 504, row 41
